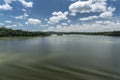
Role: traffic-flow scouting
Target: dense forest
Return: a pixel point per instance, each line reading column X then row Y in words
column 5, row 32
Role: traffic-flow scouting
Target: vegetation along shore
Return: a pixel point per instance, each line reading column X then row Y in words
column 5, row 32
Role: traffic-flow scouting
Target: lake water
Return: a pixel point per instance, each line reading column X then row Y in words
column 73, row 57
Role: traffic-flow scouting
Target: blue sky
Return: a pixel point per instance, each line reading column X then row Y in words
column 61, row 15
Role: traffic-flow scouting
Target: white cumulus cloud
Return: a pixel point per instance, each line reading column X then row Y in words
column 8, row 21
column 22, row 16
column 106, row 14
column 92, row 6
column 33, row 21
column 80, row 6
column 5, row 7
column 58, row 16
column 26, row 4
column 88, row 18
column 8, row 1
column 98, row 26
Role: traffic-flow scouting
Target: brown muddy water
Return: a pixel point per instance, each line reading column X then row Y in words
column 74, row 57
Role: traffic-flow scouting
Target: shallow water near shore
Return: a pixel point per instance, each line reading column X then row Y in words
column 73, row 57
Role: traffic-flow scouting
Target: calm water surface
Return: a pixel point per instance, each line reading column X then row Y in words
column 60, row 58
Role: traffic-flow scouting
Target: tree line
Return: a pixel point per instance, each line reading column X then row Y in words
column 5, row 32
column 111, row 33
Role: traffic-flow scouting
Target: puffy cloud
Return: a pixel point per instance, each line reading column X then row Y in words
column 2, row 24
column 8, row 21
column 100, row 6
column 58, row 16
column 69, row 21
column 106, row 14
column 20, row 24
column 88, row 18
column 104, row 22
column 33, row 21
column 73, row 14
column 5, row 7
column 51, row 28
column 73, row 0
column 24, row 10
column 45, row 25
column 26, row 4
column 26, row 23
column 10, row 26
column 88, row 6
column 14, row 25
column 22, row 16
column 80, row 6
column 98, row 26
column 111, row 9
column 8, row 1
column 19, row 17
column 64, row 24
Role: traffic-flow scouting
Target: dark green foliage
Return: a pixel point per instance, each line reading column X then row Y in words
column 5, row 32
column 114, row 33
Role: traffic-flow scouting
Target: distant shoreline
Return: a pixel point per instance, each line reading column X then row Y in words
column 112, row 33
column 5, row 32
